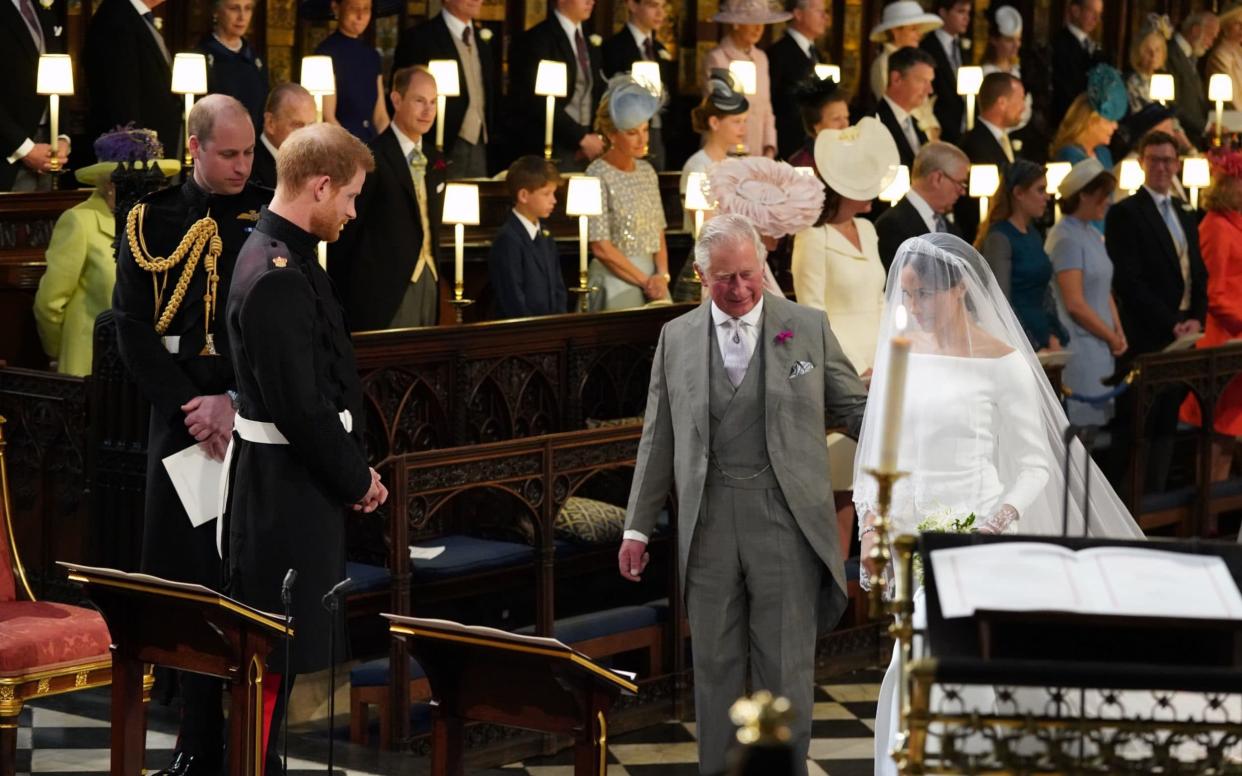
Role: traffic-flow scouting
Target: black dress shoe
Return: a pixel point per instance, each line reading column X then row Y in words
column 180, row 762
column 184, row 764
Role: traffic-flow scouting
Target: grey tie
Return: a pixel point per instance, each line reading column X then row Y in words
column 736, row 357
column 32, row 22
column 942, row 224
column 911, row 135
column 1175, row 227
column 159, row 39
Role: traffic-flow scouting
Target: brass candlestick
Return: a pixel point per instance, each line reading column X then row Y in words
column 459, row 304
column 583, row 292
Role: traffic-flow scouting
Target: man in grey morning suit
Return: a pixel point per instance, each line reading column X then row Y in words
column 742, row 389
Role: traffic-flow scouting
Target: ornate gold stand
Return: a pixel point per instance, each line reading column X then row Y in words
column 459, row 304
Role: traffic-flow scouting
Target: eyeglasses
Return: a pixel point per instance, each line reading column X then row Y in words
column 1168, row 161
column 961, row 185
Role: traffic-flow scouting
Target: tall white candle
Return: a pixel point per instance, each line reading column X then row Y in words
column 54, row 109
column 894, row 399
column 547, row 131
column 582, row 245
column 459, row 237
column 441, row 102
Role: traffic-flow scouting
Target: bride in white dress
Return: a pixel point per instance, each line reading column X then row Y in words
column 981, row 430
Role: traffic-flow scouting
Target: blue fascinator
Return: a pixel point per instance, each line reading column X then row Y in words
column 631, row 103
column 1106, row 92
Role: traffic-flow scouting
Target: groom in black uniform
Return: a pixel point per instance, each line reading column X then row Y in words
column 298, row 460
column 173, row 342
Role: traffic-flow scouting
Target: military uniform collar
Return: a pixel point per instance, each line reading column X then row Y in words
column 194, row 194
column 300, row 241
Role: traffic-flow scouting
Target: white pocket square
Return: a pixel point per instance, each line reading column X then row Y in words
column 800, row 368
column 57, row 30
column 440, row 188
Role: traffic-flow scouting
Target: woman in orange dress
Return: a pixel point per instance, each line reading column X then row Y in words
column 1220, row 239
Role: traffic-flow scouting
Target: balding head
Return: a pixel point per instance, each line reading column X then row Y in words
column 221, row 143
column 289, row 107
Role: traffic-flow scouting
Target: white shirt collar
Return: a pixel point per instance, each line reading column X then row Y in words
column 924, row 209
column 753, row 317
column 899, row 112
column 1159, row 198
column 803, row 41
column 995, row 130
column 569, row 27
column 140, row 7
column 455, row 25
column 640, row 37
column 403, row 140
column 532, row 228
column 1084, row 39
column 1184, row 45
column 947, row 42
column 269, row 145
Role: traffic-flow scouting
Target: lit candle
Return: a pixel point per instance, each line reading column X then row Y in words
column 894, row 395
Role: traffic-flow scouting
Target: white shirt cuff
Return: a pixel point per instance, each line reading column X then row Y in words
column 21, row 152
column 637, row 536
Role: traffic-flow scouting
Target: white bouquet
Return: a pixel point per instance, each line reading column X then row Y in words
column 942, row 520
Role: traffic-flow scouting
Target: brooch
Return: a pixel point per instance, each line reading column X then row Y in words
column 280, row 262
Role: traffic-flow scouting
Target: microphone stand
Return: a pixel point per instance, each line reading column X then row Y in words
column 332, row 602
column 286, row 598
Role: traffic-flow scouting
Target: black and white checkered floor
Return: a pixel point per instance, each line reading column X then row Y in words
column 68, row 735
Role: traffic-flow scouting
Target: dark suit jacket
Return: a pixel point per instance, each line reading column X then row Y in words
column 1191, row 104
column 20, row 108
column 128, row 77
column 263, row 171
column 787, row 65
column 885, row 114
column 1070, row 63
column 1147, row 276
column 547, row 40
column 432, row 40
column 525, row 273
column 620, row 52
column 373, row 261
column 950, row 106
column 983, row 148
column 898, row 224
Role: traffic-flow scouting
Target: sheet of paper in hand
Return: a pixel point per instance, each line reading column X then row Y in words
column 196, row 478
column 1125, row 581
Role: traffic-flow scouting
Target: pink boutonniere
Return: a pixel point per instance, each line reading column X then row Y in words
column 784, row 337
column 439, row 165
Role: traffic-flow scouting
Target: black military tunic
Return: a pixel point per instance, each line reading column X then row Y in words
column 171, row 547
column 295, row 368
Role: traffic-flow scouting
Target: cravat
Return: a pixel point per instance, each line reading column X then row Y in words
column 584, row 62
column 942, row 225
column 466, row 36
column 159, row 39
column 1006, row 146
column 418, row 172
column 737, row 350
column 32, row 21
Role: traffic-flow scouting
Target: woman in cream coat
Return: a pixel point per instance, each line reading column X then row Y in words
column 837, row 269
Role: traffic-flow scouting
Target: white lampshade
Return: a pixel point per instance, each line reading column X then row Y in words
column 552, row 79
column 695, row 198
column 648, row 74
column 969, row 79
column 461, row 203
column 189, row 74
column 445, row 73
column 317, row 75
column 1220, row 88
column 984, row 180
column 1132, row 176
column 743, row 73
column 898, row 188
column 55, row 74
column 825, row 72
column 1195, row 173
column 1056, row 172
column 585, row 197
column 1161, row 87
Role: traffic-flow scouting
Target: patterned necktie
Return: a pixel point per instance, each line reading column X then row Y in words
column 942, row 224
column 32, row 21
column 584, row 61
column 418, row 173
column 736, row 357
column 649, row 52
column 466, row 36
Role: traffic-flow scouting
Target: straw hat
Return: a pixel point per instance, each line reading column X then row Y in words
column 902, row 14
column 857, row 162
column 749, row 12
column 1079, row 176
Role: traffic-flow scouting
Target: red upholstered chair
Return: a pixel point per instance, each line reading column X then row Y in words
column 45, row 648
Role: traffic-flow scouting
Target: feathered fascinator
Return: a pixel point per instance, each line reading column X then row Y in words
column 815, row 91
column 1106, row 92
column 1226, row 162
column 128, row 144
column 631, row 103
column 776, row 198
column 723, row 94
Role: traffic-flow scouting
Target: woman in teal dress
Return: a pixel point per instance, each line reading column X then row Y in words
column 1014, row 249
column 1091, row 120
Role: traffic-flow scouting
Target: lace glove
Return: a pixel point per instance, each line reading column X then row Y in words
column 1000, row 520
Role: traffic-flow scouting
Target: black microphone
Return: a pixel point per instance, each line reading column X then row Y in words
column 331, row 599
column 286, row 587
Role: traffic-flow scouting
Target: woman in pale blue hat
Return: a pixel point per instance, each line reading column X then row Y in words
column 630, row 264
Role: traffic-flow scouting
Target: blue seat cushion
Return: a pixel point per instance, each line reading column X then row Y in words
column 367, row 578
column 468, row 555
column 1168, row 499
column 374, row 673
column 594, row 625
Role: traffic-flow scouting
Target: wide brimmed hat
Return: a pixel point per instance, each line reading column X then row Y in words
column 857, row 162
column 631, row 103
column 776, row 198
column 128, row 144
column 1106, row 92
column 750, row 12
column 902, row 14
column 1079, row 176
column 1007, row 22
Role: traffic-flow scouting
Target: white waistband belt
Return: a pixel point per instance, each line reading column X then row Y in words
column 171, row 344
column 263, row 433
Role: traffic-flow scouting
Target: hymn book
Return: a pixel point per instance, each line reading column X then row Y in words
column 1112, row 581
